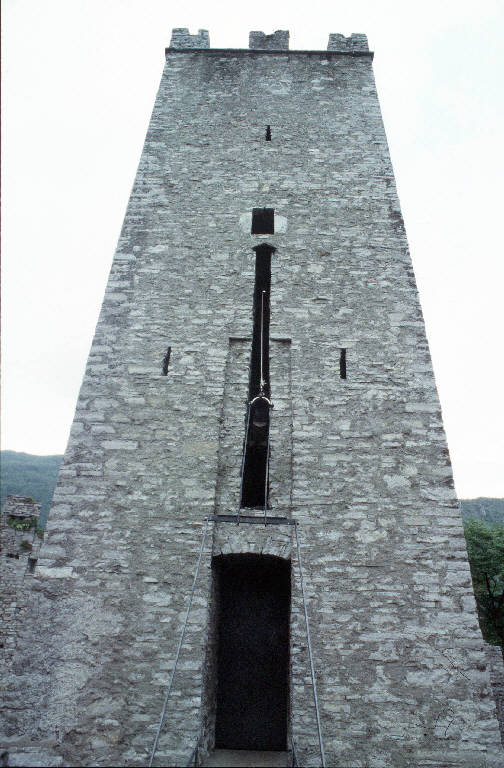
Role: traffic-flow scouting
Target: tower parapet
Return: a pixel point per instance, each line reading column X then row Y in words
column 356, row 43
column 181, row 38
column 278, row 41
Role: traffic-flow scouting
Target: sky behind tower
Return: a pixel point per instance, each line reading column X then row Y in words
column 79, row 82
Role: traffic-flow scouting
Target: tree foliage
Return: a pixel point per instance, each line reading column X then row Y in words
column 485, row 547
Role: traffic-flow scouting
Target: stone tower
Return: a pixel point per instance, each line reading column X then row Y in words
column 257, row 445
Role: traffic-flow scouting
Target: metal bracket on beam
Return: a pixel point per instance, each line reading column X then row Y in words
column 252, row 520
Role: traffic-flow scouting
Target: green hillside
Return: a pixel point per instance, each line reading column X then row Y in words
column 488, row 510
column 27, row 475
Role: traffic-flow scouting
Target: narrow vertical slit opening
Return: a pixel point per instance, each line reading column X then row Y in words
column 254, row 489
column 166, row 361
column 342, row 363
column 268, row 133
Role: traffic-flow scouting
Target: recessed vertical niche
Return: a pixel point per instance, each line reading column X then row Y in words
column 254, row 483
column 252, row 596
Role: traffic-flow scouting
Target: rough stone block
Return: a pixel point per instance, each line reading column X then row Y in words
column 182, row 39
column 278, row 41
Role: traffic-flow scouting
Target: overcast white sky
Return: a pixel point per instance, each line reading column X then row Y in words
column 79, row 82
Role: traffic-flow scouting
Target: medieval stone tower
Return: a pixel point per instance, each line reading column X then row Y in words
column 257, row 491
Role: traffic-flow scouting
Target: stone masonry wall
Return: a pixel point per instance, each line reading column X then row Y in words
column 495, row 661
column 401, row 672
column 181, row 38
column 19, row 550
column 353, row 44
column 278, row 41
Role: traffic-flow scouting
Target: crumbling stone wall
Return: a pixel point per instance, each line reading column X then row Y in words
column 19, row 549
column 399, row 657
column 20, row 542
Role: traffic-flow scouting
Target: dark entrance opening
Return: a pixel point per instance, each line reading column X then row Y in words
column 254, row 593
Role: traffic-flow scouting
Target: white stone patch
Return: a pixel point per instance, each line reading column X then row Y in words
column 120, row 445
column 368, row 534
column 157, row 599
column 246, row 224
column 143, row 369
column 54, row 573
column 396, row 481
column 280, row 224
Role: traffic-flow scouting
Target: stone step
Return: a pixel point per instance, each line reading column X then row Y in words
column 244, row 758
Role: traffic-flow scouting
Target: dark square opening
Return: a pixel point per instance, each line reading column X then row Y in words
column 263, row 221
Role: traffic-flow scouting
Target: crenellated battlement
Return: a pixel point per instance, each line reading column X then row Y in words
column 181, row 38
column 278, row 41
column 356, row 43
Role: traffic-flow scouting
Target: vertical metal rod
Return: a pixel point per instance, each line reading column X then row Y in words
column 243, row 461
column 294, row 762
column 262, row 340
column 314, row 684
column 267, row 468
column 165, row 702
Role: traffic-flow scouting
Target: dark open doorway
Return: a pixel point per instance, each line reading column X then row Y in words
column 254, row 593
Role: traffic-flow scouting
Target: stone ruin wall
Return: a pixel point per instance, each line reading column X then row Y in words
column 19, row 551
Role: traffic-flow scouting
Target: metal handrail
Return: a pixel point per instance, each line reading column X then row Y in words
column 167, row 696
column 312, row 669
